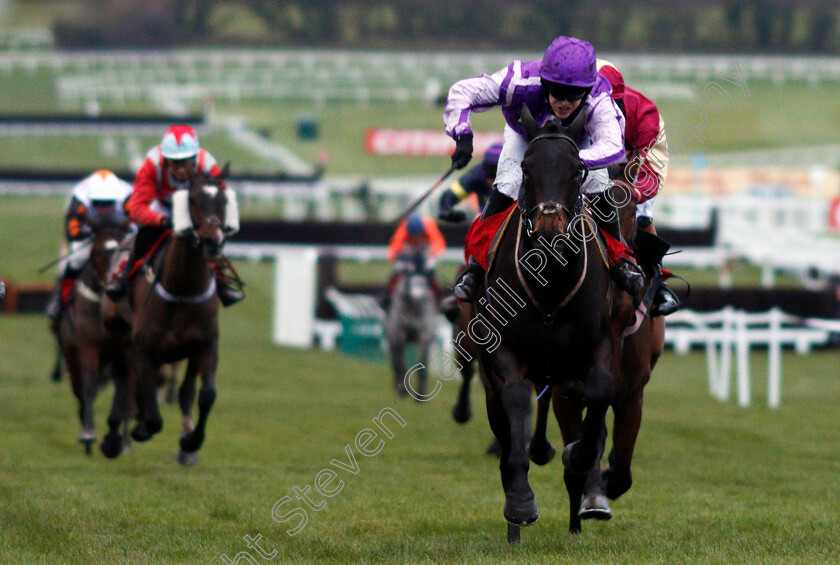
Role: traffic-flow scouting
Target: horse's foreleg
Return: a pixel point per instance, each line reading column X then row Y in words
column 113, row 443
column 637, row 360
column 580, row 456
column 594, row 503
column 540, row 450
column 568, row 409
column 424, row 347
column 396, row 350
column 628, row 421
column 151, row 421
column 186, row 398
column 205, row 365
column 508, row 411
column 89, row 362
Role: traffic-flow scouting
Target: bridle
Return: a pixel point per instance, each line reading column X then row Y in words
column 549, row 207
column 546, row 209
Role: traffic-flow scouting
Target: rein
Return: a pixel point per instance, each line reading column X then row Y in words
column 548, row 317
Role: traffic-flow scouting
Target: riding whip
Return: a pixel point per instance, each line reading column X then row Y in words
column 62, row 258
column 425, row 195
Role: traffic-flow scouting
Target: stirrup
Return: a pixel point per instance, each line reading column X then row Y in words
column 665, row 302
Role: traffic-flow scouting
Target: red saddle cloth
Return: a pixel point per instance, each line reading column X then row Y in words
column 480, row 236
column 482, row 233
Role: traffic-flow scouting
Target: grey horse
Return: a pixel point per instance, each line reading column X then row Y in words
column 411, row 319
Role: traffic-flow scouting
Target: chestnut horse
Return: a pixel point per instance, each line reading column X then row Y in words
column 175, row 313
column 87, row 348
column 544, row 319
column 633, row 363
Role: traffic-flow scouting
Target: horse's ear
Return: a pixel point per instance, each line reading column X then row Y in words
column 225, row 172
column 528, row 121
column 575, row 128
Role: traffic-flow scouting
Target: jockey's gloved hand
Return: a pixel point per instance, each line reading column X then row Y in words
column 166, row 222
column 463, row 151
column 447, row 202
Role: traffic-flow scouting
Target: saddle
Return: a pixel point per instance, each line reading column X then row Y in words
column 484, row 235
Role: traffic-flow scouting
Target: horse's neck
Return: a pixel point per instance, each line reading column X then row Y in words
column 185, row 269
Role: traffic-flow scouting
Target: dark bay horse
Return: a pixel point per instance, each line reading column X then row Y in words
column 411, row 319
column 544, row 319
column 91, row 353
column 175, row 313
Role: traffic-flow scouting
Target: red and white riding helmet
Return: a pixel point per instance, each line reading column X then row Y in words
column 179, row 142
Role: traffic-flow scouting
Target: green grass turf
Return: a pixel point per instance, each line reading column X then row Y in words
column 713, row 483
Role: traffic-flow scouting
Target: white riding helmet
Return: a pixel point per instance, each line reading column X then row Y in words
column 104, row 185
column 179, row 142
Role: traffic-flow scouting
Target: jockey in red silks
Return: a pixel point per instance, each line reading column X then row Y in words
column 98, row 196
column 165, row 170
column 643, row 169
column 417, row 234
column 562, row 85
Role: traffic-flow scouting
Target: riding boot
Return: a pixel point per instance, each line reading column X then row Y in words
column 60, row 295
column 624, row 272
column 650, row 249
column 228, row 284
column 469, row 281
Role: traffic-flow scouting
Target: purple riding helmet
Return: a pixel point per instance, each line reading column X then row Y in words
column 491, row 159
column 569, row 61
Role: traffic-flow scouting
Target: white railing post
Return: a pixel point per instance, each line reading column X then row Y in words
column 743, row 347
column 295, row 292
column 774, row 360
column 726, row 345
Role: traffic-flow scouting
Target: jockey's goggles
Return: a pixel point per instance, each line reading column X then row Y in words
column 565, row 91
column 189, row 162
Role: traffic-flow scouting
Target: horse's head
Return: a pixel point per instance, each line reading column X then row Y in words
column 206, row 205
column 109, row 228
column 552, row 174
column 414, row 287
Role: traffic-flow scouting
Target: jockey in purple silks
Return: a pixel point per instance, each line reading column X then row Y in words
column 562, row 85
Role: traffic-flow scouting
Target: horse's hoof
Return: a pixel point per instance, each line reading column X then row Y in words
column 617, row 483
column 140, row 433
column 191, row 442
column 111, row 446
column 521, row 513
column 595, row 507
column 187, row 459
column 154, row 426
column 462, row 414
column 401, row 391
column 541, row 453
